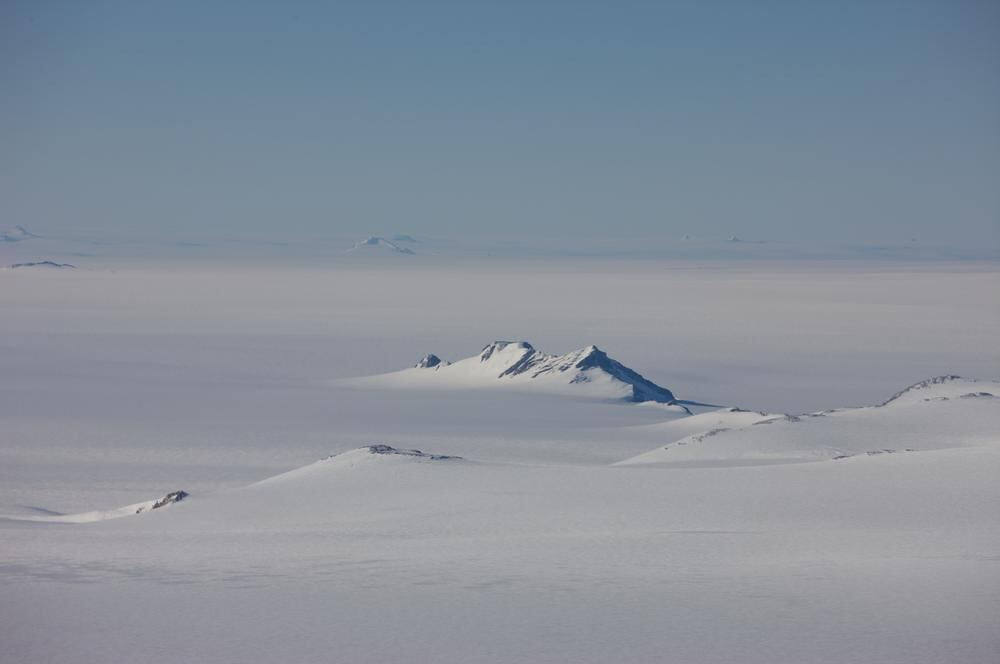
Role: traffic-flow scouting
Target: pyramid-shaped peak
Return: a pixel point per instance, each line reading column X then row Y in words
column 380, row 242
column 509, row 364
column 430, row 361
column 591, row 356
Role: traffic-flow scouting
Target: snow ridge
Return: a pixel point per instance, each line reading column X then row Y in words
column 51, row 264
column 103, row 515
column 512, row 360
column 386, row 449
column 954, row 386
column 429, row 361
column 938, row 413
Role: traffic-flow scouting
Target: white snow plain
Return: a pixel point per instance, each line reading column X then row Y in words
column 573, row 527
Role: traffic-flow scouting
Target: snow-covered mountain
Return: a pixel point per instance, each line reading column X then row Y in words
column 375, row 243
column 49, row 516
column 943, row 388
column 516, row 364
column 356, row 458
column 939, row 413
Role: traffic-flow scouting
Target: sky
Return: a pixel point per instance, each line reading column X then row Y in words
column 867, row 121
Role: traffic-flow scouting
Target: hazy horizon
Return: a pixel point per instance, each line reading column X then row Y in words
column 807, row 122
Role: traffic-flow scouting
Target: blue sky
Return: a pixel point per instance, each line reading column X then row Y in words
column 849, row 121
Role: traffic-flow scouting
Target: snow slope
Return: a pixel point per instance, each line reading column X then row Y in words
column 517, row 365
column 372, row 454
column 399, row 557
column 943, row 388
column 935, row 414
column 145, row 506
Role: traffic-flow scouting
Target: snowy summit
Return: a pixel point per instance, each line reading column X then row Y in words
column 517, row 364
column 379, row 243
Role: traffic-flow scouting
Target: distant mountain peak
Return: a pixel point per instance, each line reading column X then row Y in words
column 169, row 499
column 430, row 361
column 51, row 264
column 16, row 234
column 376, row 242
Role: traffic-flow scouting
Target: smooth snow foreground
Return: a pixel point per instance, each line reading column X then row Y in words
column 689, row 553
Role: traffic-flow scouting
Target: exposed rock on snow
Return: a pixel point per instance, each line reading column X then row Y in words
column 779, row 418
column 941, row 387
column 169, row 499
column 697, row 438
column 104, row 515
column 383, row 450
column 429, row 362
column 370, row 457
column 938, row 413
column 48, row 264
column 870, row 453
column 586, row 365
column 588, row 371
column 744, row 410
column 386, row 449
